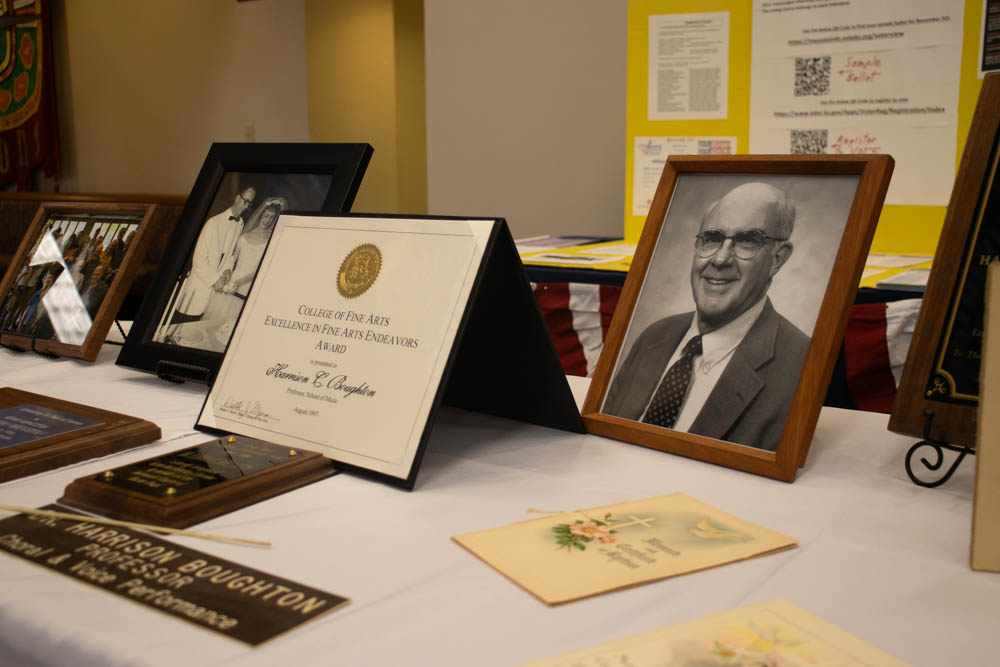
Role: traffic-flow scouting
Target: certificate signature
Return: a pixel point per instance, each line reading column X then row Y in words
column 245, row 409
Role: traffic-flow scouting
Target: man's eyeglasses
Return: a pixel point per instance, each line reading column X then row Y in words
column 746, row 244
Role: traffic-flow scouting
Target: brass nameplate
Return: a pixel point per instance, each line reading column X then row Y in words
column 196, row 468
column 197, row 483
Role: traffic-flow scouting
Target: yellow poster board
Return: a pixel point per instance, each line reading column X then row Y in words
column 902, row 229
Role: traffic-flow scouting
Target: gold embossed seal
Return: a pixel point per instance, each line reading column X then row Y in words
column 359, row 270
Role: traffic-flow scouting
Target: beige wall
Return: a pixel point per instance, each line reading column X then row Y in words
column 526, row 112
column 523, row 115
column 365, row 82
column 144, row 88
column 411, row 106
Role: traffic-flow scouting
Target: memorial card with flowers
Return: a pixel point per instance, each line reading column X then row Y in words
column 770, row 634
column 572, row 555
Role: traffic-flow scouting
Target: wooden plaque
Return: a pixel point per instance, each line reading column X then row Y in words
column 941, row 375
column 39, row 433
column 195, row 484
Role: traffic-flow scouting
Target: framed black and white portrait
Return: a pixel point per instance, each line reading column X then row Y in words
column 729, row 323
column 196, row 297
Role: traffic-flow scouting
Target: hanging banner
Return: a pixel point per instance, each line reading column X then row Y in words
column 28, row 126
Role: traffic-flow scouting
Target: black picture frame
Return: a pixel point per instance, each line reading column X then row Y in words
column 344, row 164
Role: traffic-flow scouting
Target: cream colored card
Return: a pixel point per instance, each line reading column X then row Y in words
column 576, row 554
column 986, row 503
column 771, row 633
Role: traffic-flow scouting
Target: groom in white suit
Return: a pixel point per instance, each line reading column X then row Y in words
column 212, row 261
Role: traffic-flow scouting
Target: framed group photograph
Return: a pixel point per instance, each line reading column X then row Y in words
column 186, row 319
column 729, row 324
column 938, row 393
column 70, row 275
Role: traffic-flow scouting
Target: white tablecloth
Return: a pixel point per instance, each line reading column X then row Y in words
column 878, row 556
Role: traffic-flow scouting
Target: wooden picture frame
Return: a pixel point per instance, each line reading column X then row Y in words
column 837, row 201
column 186, row 318
column 70, row 275
column 939, row 388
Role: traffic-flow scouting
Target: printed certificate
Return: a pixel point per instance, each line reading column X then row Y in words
column 345, row 336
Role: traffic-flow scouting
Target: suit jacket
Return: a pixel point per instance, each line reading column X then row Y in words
column 749, row 403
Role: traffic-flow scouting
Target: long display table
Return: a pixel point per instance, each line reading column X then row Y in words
column 878, row 556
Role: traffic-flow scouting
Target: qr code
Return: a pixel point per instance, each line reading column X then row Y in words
column 713, row 147
column 809, row 142
column 812, row 76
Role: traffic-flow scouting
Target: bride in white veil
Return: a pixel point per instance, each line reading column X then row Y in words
column 227, row 304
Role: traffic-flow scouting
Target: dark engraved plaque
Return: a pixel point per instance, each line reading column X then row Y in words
column 242, row 603
column 955, row 375
column 195, row 484
column 39, row 433
column 190, row 470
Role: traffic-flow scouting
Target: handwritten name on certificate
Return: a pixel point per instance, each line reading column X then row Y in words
column 345, row 335
column 576, row 554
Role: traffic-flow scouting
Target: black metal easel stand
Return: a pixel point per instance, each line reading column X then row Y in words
column 938, row 447
column 120, row 330
column 177, row 373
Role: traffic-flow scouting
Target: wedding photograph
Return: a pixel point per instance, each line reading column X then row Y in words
column 210, row 291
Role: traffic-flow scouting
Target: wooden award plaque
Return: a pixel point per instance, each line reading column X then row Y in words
column 39, row 433
column 938, row 392
column 195, row 484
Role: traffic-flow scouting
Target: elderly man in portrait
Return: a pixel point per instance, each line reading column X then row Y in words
column 213, row 259
column 729, row 369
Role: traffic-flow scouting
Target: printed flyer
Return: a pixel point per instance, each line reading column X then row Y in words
column 853, row 77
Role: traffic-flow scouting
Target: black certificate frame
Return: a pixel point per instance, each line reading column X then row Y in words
column 344, row 163
column 500, row 335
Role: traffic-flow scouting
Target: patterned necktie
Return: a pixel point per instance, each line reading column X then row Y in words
column 666, row 404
